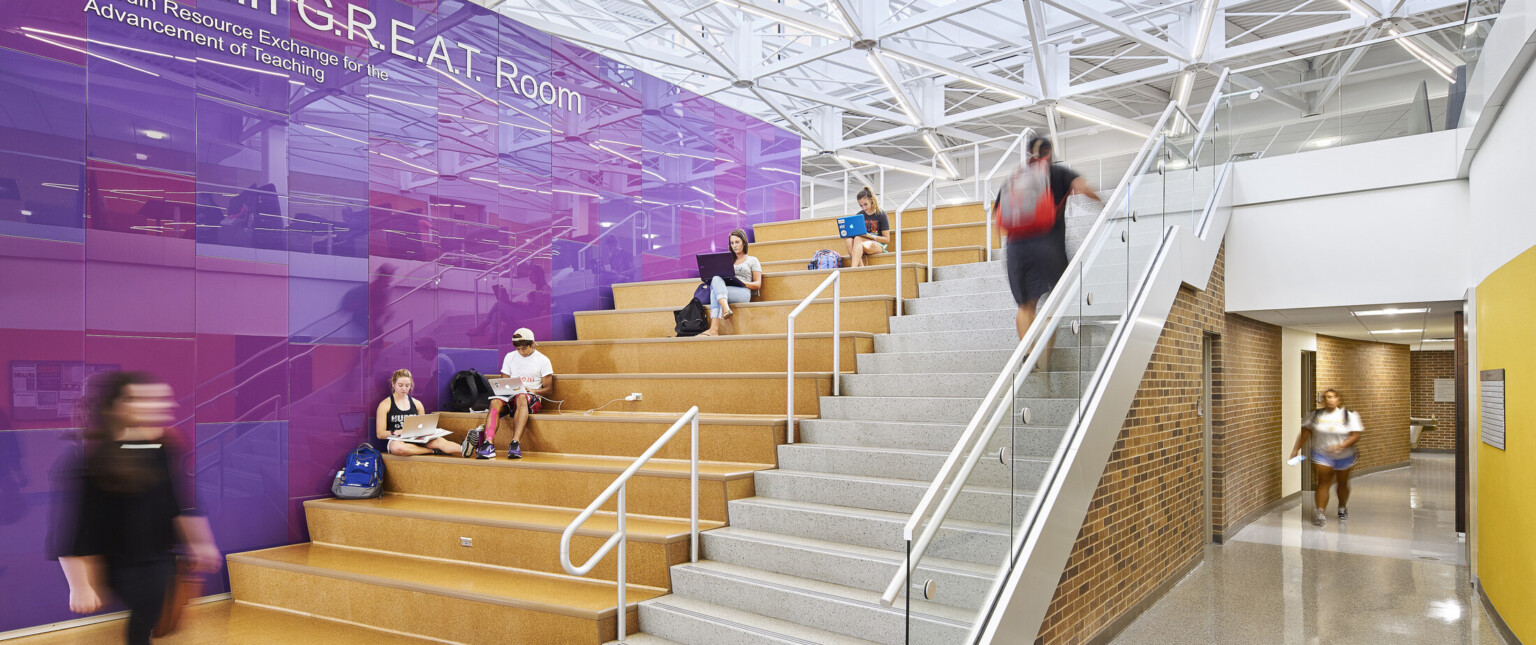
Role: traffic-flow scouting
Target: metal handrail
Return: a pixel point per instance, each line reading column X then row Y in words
column 691, row 417
column 918, row 191
column 1208, row 115
column 1048, row 317
column 836, row 280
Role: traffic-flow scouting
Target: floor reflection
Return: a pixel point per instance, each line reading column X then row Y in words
column 1393, row 573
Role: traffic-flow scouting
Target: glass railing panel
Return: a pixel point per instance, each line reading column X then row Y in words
column 1179, row 171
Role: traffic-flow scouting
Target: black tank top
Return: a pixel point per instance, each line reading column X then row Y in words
column 397, row 416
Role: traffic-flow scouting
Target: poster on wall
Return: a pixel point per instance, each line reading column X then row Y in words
column 49, row 390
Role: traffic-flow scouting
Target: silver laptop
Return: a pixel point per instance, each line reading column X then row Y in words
column 506, row 386
column 418, row 426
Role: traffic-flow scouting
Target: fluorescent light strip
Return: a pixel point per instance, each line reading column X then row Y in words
column 1440, row 68
column 394, row 100
column 390, row 156
column 933, row 145
column 1397, row 331
column 1356, row 9
column 930, row 66
column 885, row 77
column 334, row 134
column 200, row 59
column 861, row 162
column 1389, row 312
column 101, row 42
column 1099, row 121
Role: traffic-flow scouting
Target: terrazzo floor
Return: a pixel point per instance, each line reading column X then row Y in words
column 1393, row 573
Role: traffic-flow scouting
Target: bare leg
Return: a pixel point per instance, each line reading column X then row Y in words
column 519, row 417
column 407, row 449
column 1343, row 478
column 855, row 253
column 492, row 419
column 1324, row 477
column 448, row 447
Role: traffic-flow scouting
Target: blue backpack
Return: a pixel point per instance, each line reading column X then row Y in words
column 825, row 259
column 362, row 476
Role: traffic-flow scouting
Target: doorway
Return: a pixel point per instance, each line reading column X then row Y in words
column 1308, row 404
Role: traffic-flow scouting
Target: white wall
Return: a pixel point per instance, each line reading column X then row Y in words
column 1292, row 343
column 1503, row 186
column 1392, row 245
column 1403, row 161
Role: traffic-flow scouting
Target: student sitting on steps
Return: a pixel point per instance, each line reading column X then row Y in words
column 533, row 369
column 392, row 413
column 748, row 270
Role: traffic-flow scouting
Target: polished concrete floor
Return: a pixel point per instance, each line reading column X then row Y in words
column 1392, row 573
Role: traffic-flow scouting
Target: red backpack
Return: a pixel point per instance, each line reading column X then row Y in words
column 1025, row 206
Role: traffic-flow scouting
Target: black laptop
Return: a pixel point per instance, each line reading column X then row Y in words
column 719, row 264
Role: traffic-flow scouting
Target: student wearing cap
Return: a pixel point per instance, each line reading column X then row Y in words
column 533, row 369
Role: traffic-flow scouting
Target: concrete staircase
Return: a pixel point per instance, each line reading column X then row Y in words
column 807, row 558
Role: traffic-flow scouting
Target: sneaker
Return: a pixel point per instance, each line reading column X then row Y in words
column 1319, row 518
column 515, row 451
column 471, row 441
column 488, row 451
column 1343, row 513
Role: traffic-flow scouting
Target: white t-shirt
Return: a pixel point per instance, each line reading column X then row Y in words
column 746, row 267
column 530, row 369
column 1331, row 429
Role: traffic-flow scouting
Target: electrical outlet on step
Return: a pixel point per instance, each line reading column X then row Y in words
column 634, row 396
column 464, row 541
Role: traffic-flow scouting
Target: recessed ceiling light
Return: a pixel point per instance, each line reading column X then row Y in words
column 1389, row 311
column 140, row 156
column 1323, row 142
column 154, row 134
column 1438, row 340
column 26, row 213
column 1397, row 331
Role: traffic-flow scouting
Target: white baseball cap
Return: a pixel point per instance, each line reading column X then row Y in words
column 523, row 334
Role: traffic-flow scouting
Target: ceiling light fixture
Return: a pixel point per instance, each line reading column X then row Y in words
column 933, row 144
column 1397, row 331
column 1356, row 8
column 1435, row 64
column 1390, row 311
column 890, row 83
column 154, row 134
column 1099, row 121
column 865, row 162
column 1437, row 340
column 1323, row 142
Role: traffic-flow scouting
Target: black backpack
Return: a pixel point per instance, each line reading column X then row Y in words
column 468, row 391
column 692, row 319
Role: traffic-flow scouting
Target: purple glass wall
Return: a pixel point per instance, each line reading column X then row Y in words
column 275, row 221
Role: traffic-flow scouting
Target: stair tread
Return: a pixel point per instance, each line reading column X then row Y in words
column 852, row 595
column 525, row 516
column 643, row 639
column 712, row 470
column 701, row 339
column 581, row 597
column 892, row 557
column 780, row 274
column 816, row 507
column 896, row 451
column 894, row 481
column 748, row 621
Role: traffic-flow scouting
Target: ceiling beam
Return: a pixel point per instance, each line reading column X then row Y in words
column 1115, row 25
column 1104, row 117
column 828, row 99
column 790, row 16
column 617, row 45
column 931, row 16
column 946, row 66
column 727, row 68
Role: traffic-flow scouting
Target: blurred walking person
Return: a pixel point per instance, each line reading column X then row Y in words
column 127, row 521
column 1334, row 431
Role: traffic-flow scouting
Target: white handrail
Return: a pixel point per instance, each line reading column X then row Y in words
column 1048, row 316
column 1207, row 116
column 836, row 280
column 915, row 192
column 618, row 485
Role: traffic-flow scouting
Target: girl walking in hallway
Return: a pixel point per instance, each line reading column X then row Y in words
column 1336, row 431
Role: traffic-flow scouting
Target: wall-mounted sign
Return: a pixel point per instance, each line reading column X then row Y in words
column 357, row 24
column 1445, row 390
column 49, row 390
column 1490, row 397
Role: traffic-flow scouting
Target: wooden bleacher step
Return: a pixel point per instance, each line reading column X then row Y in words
column 779, row 285
column 942, row 257
column 738, row 438
column 819, row 226
column 520, row 536
column 860, row 313
column 704, row 355
column 659, row 488
column 946, row 236
column 441, row 599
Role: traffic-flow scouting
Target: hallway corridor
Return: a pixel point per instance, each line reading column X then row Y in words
column 1394, row 572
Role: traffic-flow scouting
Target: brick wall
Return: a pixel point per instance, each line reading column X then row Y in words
column 1423, row 369
column 1146, row 521
column 1373, row 379
column 1247, row 433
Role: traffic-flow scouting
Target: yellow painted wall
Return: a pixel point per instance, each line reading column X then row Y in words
column 1506, row 516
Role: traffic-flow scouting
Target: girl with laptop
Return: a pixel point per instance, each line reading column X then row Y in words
column 391, row 415
column 876, row 223
column 748, row 270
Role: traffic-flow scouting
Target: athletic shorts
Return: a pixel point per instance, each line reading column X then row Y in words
column 1034, row 267
column 1344, row 462
column 534, row 404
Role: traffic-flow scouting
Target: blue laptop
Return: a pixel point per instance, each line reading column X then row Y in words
column 851, row 226
column 721, row 264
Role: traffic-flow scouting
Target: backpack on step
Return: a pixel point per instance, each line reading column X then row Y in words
column 362, row 476
column 1025, row 206
column 468, row 391
column 825, row 259
column 692, row 319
